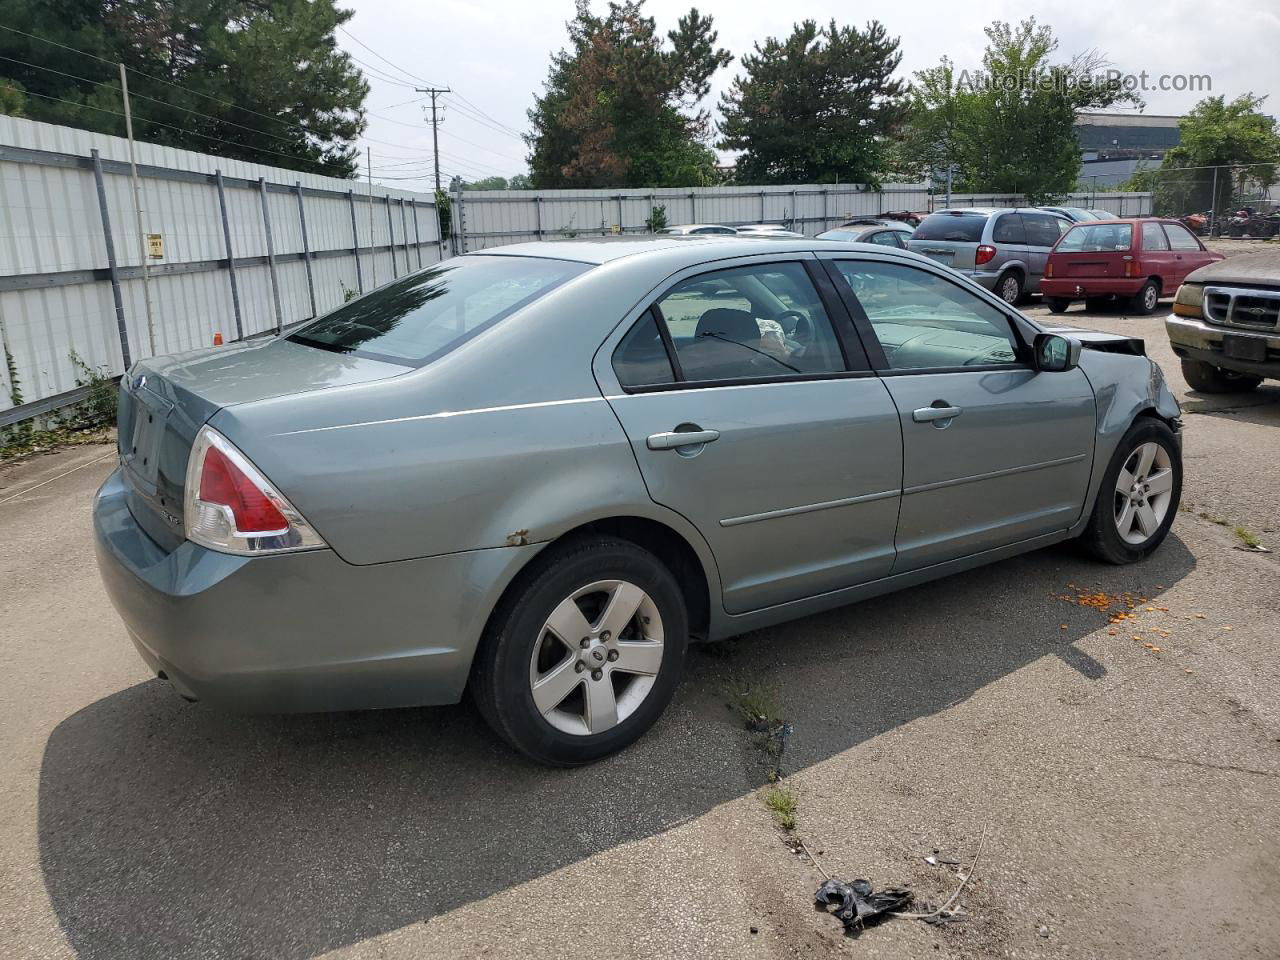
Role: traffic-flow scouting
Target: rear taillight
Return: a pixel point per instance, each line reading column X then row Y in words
column 1132, row 268
column 1048, row 269
column 984, row 254
column 233, row 508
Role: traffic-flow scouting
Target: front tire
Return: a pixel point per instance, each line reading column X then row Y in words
column 584, row 653
column 1206, row 378
column 1139, row 495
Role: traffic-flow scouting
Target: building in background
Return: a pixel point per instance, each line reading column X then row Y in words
column 1114, row 145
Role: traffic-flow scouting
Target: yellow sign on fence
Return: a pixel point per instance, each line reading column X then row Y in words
column 155, row 246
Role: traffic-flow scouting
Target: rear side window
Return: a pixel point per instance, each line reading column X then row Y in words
column 1153, row 237
column 641, row 360
column 423, row 316
column 1042, row 229
column 1180, row 238
column 1008, row 229
column 1098, row 237
column 961, row 227
column 889, row 238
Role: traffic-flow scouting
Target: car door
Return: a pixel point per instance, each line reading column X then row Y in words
column 1188, row 254
column 1042, row 233
column 1156, row 259
column 753, row 412
column 994, row 452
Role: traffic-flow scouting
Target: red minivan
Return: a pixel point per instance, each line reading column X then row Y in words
column 1139, row 260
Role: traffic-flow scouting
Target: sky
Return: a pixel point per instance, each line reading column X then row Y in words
column 494, row 55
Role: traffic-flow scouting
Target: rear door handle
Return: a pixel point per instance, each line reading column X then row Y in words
column 929, row 414
column 674, row 439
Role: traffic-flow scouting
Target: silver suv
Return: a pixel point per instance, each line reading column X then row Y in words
column 1003, row 249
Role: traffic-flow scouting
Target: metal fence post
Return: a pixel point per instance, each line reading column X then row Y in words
column 306, row 246
column 693, row 207
column 271, row 253
column 826, row 208
column 112, row 269
column 417, row 230
column 653, row 205
column 404, row 229
column 622, row 227
column 391, row 240
column 1213, row 205
column 459, row 224
column 795, row 213
column 355, row 240
column 537, row 214
column 231, row 256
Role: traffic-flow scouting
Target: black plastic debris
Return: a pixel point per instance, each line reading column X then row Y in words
column 857, row 903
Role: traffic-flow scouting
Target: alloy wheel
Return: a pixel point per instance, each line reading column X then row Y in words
column 1144, row 492
column 1009, row 289
column 597, row 657
column 1150, row 296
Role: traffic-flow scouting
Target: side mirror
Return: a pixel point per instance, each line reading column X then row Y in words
column 1054, row 353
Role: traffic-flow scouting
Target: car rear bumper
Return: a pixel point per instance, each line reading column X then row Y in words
column 1198, row 340
column 1076, row 287
column 298, row 632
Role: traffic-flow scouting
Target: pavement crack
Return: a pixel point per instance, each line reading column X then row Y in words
column 1210, row 766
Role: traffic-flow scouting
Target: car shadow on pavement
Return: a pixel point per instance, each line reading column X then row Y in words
column 167, row 829
column 1260, row 406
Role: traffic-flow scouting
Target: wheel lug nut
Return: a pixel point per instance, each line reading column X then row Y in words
column 579, row 666
column 597, row 674
column 605, row 635
column 586, row 642
column 613, row 655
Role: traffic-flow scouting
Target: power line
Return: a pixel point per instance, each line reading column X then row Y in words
column 475, row 118
column 384, row 59
column 486, row 116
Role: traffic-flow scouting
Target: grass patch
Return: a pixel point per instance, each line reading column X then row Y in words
column 1247, row 537
column 1220, row 521
column 755, row 703
column 781, row 802
column 88, row 421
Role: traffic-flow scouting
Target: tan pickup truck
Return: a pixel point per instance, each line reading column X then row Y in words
column 1226, row 323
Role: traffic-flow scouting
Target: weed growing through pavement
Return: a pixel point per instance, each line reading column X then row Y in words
column 781, row 801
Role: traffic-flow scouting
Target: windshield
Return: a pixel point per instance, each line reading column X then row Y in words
column 1096, row 238
column 965, row 227
column 420, row 317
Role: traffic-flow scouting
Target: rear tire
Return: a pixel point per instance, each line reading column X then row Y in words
column 585, row 708
column 1132, row 514
column 1206, row 378
column 1009, row 287
column 1058, row 304
column 1146, row 299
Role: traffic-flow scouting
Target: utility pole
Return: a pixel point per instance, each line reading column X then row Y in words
column 143, row 252
column 434, row 92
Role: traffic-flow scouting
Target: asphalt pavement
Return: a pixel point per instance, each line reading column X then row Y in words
column 1126, row 770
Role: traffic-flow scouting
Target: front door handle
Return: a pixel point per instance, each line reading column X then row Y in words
column 930, row 414
column 676, row 439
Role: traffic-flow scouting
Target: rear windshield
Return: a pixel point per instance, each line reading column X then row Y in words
column 951, row 226
column 423, row 316
column 1101, row 237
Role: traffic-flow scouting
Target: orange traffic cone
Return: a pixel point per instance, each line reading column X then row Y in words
column 217, row 339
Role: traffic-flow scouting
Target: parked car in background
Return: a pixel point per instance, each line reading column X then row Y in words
column 1074, row 214
column 1104, row 215
column 520, row 472
column 1226, row 323
column 697, row 229
column 1138, row 261
column 770, row 229
column 888, row 234
column 1003, row 249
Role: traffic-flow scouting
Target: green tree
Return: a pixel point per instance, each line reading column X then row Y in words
column 264, row 76
column 488, row 183
column 816, row 107
column 1234, row 136
column 1009, row 127
column 620, row 104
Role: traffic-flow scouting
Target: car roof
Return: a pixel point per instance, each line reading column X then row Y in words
column 1113, row 222
column 688, row 250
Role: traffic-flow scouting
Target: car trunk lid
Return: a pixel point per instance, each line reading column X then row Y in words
column 164, row 401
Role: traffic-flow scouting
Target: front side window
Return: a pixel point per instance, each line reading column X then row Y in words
column 1153, row 237
column 424, row 315
column 1180, row 237
column 1096, row 238
column 761, row 321
column 924, row 321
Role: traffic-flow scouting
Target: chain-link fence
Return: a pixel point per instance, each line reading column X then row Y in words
column 1239, row 200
